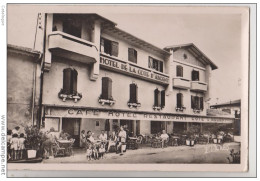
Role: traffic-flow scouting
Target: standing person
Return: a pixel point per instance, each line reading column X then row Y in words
column 14, row 141
column 103, row 138
column 48, row 144
column 112, row 140
column 83, row 139
column 21, row 145
column 164, row 136
column 16, row 130
column 122, row 140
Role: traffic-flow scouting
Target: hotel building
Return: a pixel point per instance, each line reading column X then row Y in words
column 96, row 77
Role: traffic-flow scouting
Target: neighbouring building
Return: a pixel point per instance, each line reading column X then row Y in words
column 96, row 77
column 232, row 108
column 23, row 86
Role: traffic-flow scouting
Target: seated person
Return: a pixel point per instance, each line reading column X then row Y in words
column 112, row 140
column 121, row 140
column 90, row 138
column 103, row 137
column 63, row 135
column 164, row 136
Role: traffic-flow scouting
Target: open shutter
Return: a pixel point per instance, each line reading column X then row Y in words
column 198, row 75
column 74, row 81
column 161, row 66
column 150, row 62
column 133, row 93
column 67, row 81
column 179, row 100
column 114, row 48
column 132, row 55
column 201, row 103
column 102, row 45
column 156, row 97
column 106, row 88
column 192, row 102
column 163, row 98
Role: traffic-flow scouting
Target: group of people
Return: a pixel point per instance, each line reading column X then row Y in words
column 15, row 144
column 96, row 150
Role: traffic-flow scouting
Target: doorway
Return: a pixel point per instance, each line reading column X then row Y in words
column 72, row 127
column 157, row 126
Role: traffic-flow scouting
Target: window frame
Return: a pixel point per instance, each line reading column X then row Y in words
column 151, row 64
column 107, row 46
column 135, row 55
column 179, row 70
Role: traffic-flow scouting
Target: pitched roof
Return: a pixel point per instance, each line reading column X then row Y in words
column 230, row 103
column 195, row 51
column 23, row 50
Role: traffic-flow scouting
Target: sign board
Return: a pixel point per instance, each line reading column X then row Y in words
column 118, row 114
column 133, row 70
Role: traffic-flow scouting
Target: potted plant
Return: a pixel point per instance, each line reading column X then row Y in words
column 33, row 141
column 192, row 131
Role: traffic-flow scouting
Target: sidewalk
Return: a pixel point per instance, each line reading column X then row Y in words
column 210, row 153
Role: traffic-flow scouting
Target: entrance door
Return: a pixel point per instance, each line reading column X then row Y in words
column 157, row 126
column 129, row 126
column 72, row 127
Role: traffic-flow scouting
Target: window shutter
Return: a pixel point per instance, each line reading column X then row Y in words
column 193, row 75
column 104, row 94
column 114, row 48
column 133, row 93
column 67, row 80
column 179, row 100
column 74, row 81
column 102, row 44
column 201, row 103
column 156, row 97
column 132, row 55
column 150, row 62
column 161, row 66
column 198, row 75
column 179, row 70
column 192, row 102
column 197, row 102
column 163, row 98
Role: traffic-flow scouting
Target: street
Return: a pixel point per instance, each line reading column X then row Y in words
column 210, row 153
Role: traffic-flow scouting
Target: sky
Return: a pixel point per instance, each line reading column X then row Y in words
column 216, row 31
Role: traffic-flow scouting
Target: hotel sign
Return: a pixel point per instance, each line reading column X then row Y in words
column 113, row 114
column 132, row 70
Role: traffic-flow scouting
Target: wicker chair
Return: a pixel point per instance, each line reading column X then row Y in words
column 58, row 151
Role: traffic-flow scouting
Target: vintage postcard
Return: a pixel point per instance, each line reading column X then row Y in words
column 127, row 87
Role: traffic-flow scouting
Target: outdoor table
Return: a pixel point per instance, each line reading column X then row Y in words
column 65, row 144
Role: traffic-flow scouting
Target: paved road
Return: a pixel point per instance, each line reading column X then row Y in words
column 182, row 154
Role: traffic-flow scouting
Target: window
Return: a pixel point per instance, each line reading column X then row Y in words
column 185, row 56
column 179, row 100
column 155, row 64
column 179, row 71
column 197, row 103
column 162, row 98
column 195, row 75
column 133, row 93
column 133, row 102
column 109, row 47
column 106, row 88
column 70, row 81
column 159, row 99
column 72, row 27
column 132, row 55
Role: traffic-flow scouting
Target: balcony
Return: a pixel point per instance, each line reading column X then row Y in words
column 180, row 82
column 71, row 47
column 199, row 86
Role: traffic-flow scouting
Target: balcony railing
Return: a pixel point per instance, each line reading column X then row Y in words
column 71, row 47
column 199, row 86
column 180, row 82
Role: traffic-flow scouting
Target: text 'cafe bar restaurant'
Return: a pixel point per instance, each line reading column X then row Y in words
column 99, row 77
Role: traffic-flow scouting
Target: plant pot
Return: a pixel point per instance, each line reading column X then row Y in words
column 188, row 142
column 215, row 140
column 192, row 142
column 31, row 153
column 219, row 140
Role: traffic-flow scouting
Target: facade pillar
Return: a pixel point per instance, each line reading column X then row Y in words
column 95, row 38
column 208, row 81
column 47, row 55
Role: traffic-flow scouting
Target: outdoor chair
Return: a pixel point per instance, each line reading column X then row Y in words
column 59, row 151
column 156, row 143
column 139, row 141
column 70, row 150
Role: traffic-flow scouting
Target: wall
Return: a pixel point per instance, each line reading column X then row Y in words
column 142, row 55
column 178, row 54
column 20, row 89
